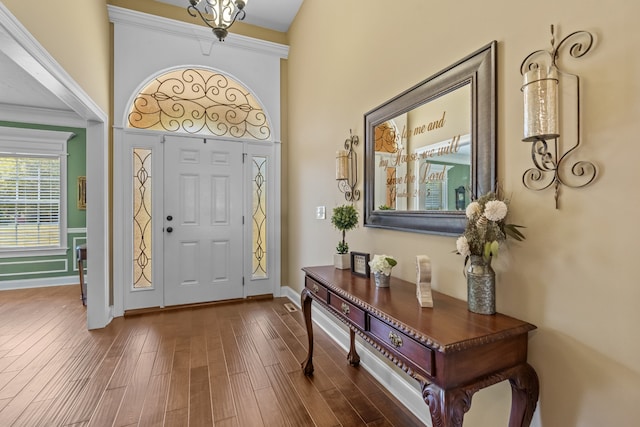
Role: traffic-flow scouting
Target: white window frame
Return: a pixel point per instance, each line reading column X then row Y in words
column 48, row 143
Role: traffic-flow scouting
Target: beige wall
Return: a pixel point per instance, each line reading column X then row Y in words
column 575, row 276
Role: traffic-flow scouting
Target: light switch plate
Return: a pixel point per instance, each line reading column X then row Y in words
column 320, row 212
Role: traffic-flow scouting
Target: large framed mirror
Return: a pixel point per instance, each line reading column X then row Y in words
column 432, row 149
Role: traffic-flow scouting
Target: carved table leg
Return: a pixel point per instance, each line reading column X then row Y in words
column 447, row 407
column 524, row 395
column 307, row 365
column 353, row 357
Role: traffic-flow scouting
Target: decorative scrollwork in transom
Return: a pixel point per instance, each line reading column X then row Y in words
column 199, row 101
column 386, row 140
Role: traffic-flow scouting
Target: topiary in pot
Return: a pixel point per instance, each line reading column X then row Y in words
column 344, row 218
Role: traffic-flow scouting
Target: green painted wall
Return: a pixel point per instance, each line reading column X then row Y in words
column 459, row 175
column 21, row 268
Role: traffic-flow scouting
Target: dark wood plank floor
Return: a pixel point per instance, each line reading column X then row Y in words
column 234, row 364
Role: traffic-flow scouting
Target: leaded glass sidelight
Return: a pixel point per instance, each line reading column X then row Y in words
column 259, row 217
column 199, row 101
column 142, row 277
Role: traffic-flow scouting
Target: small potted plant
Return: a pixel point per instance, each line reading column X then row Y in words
column 344, row 218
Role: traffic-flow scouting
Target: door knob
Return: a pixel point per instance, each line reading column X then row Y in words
column 169, row 218
column 169, row 229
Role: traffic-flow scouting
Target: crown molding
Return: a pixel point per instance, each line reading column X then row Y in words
column 41, row 116
column 119, row 15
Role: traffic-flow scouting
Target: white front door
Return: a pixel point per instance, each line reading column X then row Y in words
column 203, row 231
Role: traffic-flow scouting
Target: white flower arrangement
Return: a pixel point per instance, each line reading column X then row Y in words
column 486, row 227
column 463, row 246
column 495, row 210
column 382, row 264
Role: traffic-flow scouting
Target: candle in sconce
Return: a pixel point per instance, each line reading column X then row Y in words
column 540, row 89
column 342, row 165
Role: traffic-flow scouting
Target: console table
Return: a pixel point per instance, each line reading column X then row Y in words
column 452, row 352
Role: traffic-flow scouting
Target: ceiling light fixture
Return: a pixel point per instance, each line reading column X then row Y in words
column 219, row 15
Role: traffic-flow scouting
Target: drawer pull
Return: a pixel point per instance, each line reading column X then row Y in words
column 345, row 309
column 395, row 340
column 315, row 288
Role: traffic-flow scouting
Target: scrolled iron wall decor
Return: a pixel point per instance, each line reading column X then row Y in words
column 541, row 122
column 198, row 101
column 347, row 169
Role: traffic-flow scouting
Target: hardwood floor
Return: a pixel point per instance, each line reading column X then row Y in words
column 234, row 364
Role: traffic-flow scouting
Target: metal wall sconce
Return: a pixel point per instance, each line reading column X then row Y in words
column 347, row 169
column 541, row 83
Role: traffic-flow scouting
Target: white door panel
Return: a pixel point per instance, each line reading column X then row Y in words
column 203, row 198
column 200, row 191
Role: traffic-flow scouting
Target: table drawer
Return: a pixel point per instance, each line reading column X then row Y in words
column 316, row 288
column 418, row 354
column 347, row 309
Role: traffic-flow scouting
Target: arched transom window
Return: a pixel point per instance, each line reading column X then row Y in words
column 199, row 101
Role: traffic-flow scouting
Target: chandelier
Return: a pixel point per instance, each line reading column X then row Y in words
column 219, row 15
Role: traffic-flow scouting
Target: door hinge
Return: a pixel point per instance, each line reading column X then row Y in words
column 244, row 156
column 242, row 280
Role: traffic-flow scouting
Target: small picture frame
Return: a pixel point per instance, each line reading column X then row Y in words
column 82, row 193
column 360, row 264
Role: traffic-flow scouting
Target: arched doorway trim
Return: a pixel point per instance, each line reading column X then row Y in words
column 198, row 100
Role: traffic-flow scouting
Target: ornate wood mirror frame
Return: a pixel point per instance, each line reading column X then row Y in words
column 432, row 149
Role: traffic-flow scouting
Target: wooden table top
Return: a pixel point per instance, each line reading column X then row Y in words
column 448, row 327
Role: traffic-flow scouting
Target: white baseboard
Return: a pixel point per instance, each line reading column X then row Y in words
column 400, row 385
column 40, row 282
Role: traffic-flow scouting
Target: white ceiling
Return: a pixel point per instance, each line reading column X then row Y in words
column 273, row 14
column 18, row 88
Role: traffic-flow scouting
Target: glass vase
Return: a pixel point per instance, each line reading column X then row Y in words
column 481, row 285
column 382, row 280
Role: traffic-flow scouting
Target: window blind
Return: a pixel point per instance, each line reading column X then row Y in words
column 29, row 201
